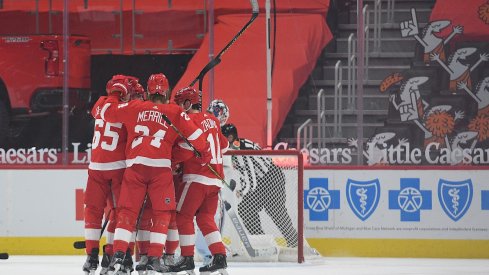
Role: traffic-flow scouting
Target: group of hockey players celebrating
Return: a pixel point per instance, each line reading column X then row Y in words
column 157, row 163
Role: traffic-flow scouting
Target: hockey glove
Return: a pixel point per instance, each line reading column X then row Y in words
column 205, row 157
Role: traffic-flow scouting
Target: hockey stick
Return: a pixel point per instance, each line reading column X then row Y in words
column 138, row 221
column 140, row 215
column 82, row 244
column 230, row 185
column 4, row 256
column 216, row 60
column 117, row 267
column 253, row 252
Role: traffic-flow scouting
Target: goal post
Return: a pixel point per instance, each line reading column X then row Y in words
column 268, row 203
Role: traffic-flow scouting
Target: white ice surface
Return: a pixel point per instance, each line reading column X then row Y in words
column 67, row 265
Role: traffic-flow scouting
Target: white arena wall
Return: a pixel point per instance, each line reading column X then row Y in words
column 349, row 211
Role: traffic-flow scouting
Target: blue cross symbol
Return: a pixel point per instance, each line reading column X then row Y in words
column 485, row 199
column 410, row 200
column 319, row 199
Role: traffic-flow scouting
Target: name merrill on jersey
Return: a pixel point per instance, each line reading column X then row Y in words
column 208, row 124
column 151, row 115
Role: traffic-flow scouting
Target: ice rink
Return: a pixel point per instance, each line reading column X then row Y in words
column 71, row 265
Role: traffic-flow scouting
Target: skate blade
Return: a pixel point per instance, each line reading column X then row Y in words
column 117, row 267
column 184, row 272
column 124, row 272
column 144, row 272
column 216, row 272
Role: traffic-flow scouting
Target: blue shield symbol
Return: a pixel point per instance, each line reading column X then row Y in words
column 363, row 197
column 455, row 197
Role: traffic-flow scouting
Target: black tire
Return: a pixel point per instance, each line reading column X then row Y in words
column 4, row 123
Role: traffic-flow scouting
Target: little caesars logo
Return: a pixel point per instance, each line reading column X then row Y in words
column 401, row 154
column 43, row 155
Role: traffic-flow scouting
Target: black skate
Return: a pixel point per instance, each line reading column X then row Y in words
column 217, row 266
column 154, row 265
column 141, row 267
column 166, row 262
column 105, row 263
column 186, row 264
column 127, row 264
column 116, row 264
column 168, row 259
column 91, row 264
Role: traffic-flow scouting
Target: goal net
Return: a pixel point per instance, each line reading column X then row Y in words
column 263, row 214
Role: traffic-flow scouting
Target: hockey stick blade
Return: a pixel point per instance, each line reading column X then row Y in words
column 252, row 252
column 82, row 244
column 254, row 6
column 4, row 256
column 79, row 245
column 207, row 68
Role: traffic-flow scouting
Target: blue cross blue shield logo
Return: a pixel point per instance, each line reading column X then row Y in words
column 455, row 197
column 319, row 199
column 363, row 197
column 410, row 200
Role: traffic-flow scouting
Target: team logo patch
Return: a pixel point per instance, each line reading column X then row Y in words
column 455, row 197
column 363, row 197
column 167, row 200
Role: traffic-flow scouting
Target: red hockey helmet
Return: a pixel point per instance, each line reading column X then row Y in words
column 138, row 92
column 158, row 84
column 121, row 84
column 187, row 93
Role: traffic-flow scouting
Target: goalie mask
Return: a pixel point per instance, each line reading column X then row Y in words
column 220, row 110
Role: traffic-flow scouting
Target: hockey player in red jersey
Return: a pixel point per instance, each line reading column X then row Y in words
column 198, row 196
column 157, row 83
column 105, row 173
column 148, row 160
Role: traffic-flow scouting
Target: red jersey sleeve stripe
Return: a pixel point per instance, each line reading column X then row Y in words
column 195, row 135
